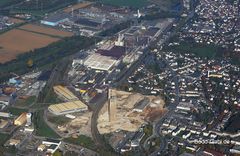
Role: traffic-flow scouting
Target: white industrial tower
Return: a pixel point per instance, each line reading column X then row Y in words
column 29, row 119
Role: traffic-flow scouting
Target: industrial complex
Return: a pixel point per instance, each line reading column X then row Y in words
column 119, row 77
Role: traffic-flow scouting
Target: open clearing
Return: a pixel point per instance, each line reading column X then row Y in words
column 46, row 30
column 16, row 42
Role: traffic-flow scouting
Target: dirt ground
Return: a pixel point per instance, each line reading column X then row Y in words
column 77, row 6
column 46, row 30
column 81, row 125
column 126, row 117
column 16, row 42
column 16, row 21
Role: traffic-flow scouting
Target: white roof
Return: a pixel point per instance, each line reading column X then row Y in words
column 96, row 61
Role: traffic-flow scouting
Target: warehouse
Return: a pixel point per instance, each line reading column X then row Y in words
column 22, row 119
column 68, row 107
column 64, row 93
column 115, row 52
column 141, row 105
column 100, row 62
column 55, row 19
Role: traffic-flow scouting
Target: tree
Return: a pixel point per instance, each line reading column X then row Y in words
column 57, row 153
column 30, row 63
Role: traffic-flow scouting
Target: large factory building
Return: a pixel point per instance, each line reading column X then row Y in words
column 68, row 107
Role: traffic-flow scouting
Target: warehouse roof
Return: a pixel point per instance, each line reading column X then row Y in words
column 142, row 104
column 87, row 22
column 57, row 17
column 66, row 93
column 99, row 62
column 115, row 52
column 67, row 107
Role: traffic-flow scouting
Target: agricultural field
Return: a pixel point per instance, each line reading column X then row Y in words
column 127, row 3
column 45, row 30
column 15, row 42
column 40, row 7
column 77, row 6
column 27, row 38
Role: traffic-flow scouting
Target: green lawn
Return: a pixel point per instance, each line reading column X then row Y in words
column 3, row 138
column 59, row 120
column 26, row 102
column 129, row 3
column 16, row 111
column 148, row 130
column 52, row 98
column 42, row 7
column 82, row 140
column 88, row 143
column 41, row 127
column 201, row 50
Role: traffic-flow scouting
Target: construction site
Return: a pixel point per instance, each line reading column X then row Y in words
column 128, row 111
column 72, row 125
column 69, row 118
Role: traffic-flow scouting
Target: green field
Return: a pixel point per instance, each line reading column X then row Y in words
column 41, row 127
column 41, row 7
column 26, row 102
column 127, row 3
column 3, row 138
column 59, row 120
column 201, row 50
column 16, row 111
column 82, row 140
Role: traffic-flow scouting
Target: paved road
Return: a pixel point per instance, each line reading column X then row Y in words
column 97, row 137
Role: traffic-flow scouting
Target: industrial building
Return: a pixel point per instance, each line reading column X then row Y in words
column 137, row 138
column 14, row 142
column 52, row 145
column 68, row 107
column 5, row 115
column 99, row 62
column 141, row 105
column 55, row 19
column 115, row 52
column 22, row 119
column 64, row 93
column 4, row 101
column 3, row 123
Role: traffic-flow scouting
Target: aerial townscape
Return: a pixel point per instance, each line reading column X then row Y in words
column 119, row 77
